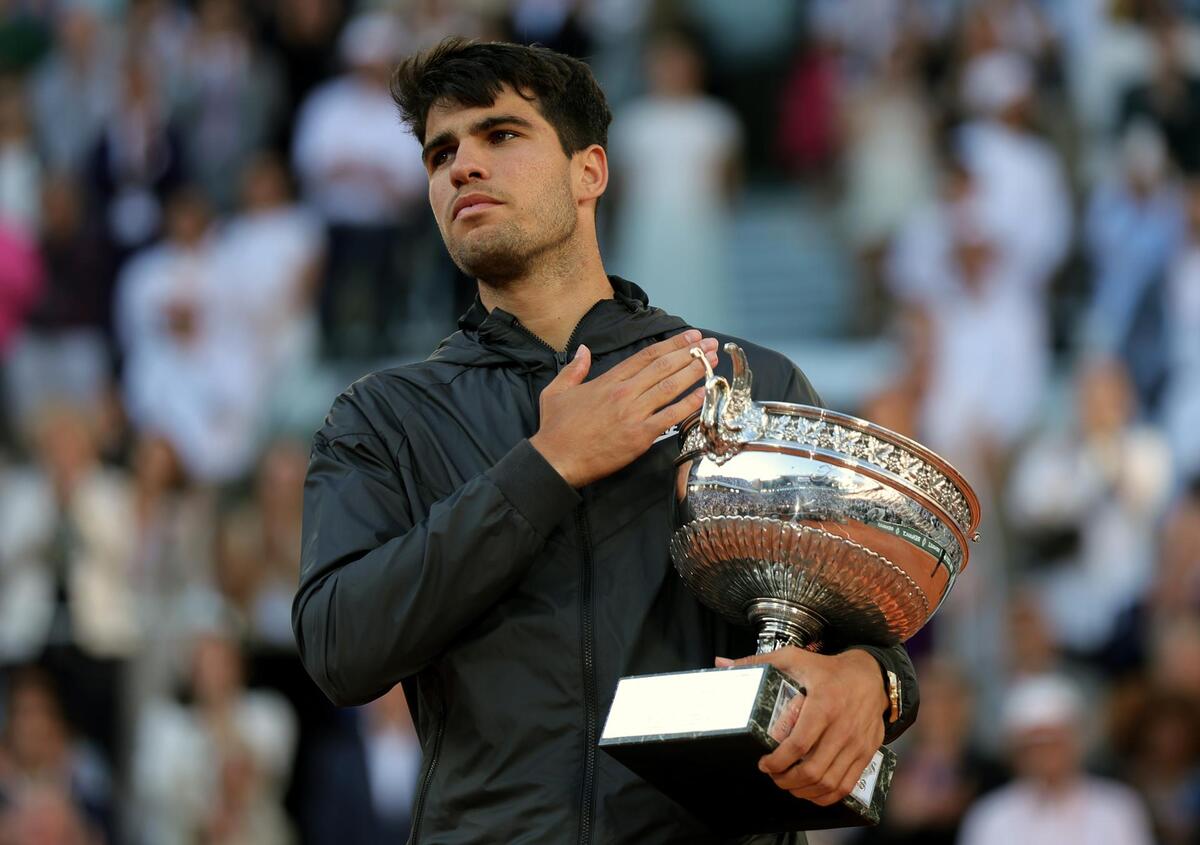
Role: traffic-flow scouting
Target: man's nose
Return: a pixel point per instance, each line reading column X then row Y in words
column 470, row 164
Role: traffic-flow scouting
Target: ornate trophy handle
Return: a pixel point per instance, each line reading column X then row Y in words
column 729, row 418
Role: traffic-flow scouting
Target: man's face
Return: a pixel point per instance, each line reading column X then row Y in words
column 500, row 186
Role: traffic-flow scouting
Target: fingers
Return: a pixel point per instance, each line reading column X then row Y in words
column 670, row 375
column 572, row 374
column 643, row 357
column 799, row 747
column 676, row 413
column 846, row 776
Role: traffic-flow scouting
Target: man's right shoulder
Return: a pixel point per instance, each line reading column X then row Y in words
column 376, row 404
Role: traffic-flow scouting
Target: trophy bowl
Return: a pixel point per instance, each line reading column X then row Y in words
column 819, row 528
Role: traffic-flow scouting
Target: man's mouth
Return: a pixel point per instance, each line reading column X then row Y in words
column 473, row 204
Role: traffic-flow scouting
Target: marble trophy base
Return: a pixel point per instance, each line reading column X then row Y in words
column 698, row 736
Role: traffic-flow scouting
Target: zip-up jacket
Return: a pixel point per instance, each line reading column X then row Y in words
column 443, row 552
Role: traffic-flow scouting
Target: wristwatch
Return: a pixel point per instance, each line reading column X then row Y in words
column 892, row 684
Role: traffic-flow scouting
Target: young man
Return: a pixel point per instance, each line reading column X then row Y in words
column 489, row 527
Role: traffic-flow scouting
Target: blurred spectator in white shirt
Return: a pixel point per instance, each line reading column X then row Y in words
column 1104, row 483
column 1023, row 200
column 68, row 541
column 1053, row 800
column 270, row 257
column 362, row 171
column 989, row 344
column 672, row 228
column 214, row 769
column 190, row 374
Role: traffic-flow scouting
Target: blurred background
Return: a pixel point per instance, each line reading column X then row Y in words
column 976, row 222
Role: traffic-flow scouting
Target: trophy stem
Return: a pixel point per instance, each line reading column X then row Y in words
column 781, row 623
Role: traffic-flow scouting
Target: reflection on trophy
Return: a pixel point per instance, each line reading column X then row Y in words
column 822, row 531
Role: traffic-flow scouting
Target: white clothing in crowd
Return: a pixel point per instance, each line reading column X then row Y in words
column 672, row 230
column 357, row 163
column 1095, row 811
column 1113, row 493
column 265, row 258
column 91, row 544
column 183, row 764
column 191, row 373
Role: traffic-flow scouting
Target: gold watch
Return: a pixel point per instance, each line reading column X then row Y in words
column 894, row 699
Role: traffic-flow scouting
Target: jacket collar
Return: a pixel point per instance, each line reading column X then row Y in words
column 611, row 324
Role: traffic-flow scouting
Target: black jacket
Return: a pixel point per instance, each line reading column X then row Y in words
column 443, row 552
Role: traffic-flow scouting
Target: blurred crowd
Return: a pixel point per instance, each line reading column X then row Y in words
column 211, row 221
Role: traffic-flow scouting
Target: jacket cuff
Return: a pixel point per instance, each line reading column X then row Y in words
column 889, row 660
column 534, row 487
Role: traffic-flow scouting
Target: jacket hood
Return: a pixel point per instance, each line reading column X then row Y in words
column 498, row 338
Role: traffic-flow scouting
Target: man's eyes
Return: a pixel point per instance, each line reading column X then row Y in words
column 497, row 136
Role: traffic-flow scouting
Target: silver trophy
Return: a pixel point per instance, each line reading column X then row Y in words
column 819, row 529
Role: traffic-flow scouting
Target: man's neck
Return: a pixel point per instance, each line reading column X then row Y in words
column 552, row 300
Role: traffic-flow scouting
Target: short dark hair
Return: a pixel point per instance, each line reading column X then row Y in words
column 472, row 73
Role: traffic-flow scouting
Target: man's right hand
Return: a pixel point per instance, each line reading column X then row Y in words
column 592, row 430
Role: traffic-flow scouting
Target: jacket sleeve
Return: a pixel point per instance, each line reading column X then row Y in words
column 895, row 658
column 385, row 586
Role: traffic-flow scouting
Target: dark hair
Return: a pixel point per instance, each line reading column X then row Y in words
column 472, row 74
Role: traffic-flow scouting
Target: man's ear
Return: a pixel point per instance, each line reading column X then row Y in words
column 590, row 166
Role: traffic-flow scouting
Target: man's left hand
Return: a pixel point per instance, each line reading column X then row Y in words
column 838, row 726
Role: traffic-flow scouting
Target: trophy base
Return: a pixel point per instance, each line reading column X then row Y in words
column 698, row 736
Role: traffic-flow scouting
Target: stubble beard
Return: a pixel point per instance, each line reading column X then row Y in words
column 506, row 252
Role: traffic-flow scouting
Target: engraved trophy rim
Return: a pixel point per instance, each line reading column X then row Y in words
column 800, row 448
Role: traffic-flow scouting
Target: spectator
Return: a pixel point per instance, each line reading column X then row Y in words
column 259, row 553
column 362, row 171
column 64, row 354
column 66, row 552
column 190, row 371
column 42, row 751
column 1104, row 483
column 1133, row 228
column 1024, row 206
column 1171, row 98
column 1052, row 800
column 214, row 769
column 270, row 258
column 137, row 161
column 231, row 101
column 74, row 90
column 672, row 230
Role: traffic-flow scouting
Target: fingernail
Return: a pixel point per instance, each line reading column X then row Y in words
column 579, row 351
column 712, row 358
column 709, row 343
column 722, row 662
column 692, row 335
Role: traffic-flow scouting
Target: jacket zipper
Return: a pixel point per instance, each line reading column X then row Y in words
column 419, row 808
column 590, row 703
column 586, row 628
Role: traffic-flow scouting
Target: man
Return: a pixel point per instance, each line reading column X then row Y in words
column 489, row 527
column 1053, row 799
